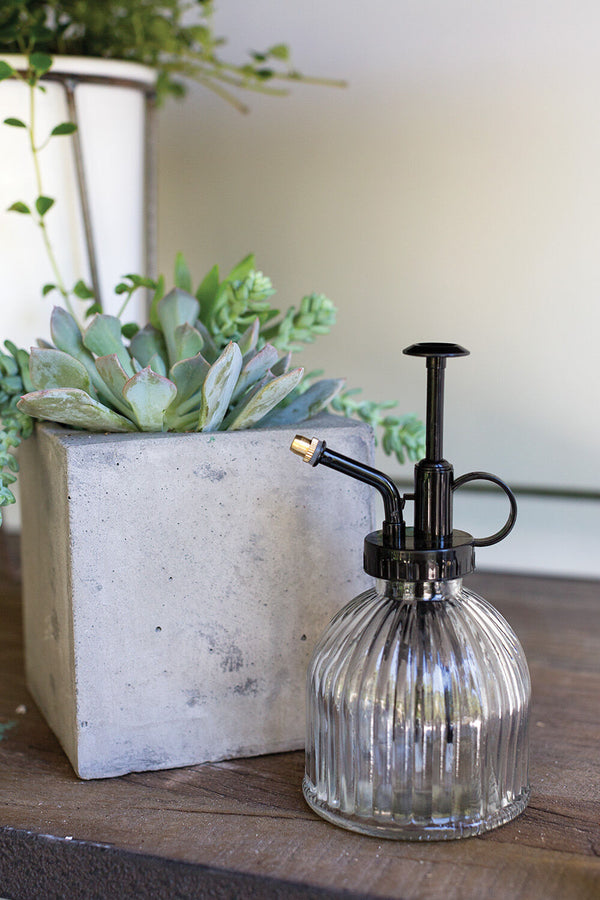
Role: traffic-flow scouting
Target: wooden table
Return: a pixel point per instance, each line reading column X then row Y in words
column 241, row 829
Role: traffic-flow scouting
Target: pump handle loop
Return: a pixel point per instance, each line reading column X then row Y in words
column 512, row 517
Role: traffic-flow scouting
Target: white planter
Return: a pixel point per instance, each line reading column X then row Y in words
column 112, row 119
column 175, row 586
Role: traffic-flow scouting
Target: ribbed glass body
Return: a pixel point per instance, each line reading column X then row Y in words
column 417, row 715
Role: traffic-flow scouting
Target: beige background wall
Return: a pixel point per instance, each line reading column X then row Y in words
column 452, row 192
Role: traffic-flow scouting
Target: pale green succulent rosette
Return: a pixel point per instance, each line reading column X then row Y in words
column 90, row 379
column 216, row 360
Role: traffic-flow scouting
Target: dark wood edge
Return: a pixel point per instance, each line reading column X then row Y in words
column 39, row 865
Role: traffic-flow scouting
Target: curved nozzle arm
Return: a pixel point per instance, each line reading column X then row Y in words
column 316, row 452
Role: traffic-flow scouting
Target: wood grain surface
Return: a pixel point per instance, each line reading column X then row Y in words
column 241, row 829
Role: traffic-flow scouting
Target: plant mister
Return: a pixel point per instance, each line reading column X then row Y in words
column 418, row 692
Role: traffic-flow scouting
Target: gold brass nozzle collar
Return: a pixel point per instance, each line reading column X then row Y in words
column 304, row 447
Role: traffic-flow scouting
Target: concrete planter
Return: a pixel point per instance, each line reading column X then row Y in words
column 175, row 586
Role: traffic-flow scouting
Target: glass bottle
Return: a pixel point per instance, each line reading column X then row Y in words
column 418, row 692
column 417, row 714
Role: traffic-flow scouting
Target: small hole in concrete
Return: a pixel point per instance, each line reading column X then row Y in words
column 303, row 638
column 158, row 628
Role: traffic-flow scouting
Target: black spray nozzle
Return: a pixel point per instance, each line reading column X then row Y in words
column 316, row 452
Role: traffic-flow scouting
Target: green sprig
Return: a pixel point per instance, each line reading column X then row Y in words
column 316, row 316
column 402, row 436
column 15, row 425
column 38, row 65
column 238, row 303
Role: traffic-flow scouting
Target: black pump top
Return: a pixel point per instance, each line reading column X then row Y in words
column 434, row 348
column 432, row 550
column 436, row 355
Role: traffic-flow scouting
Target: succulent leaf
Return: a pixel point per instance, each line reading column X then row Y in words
column 149, row 395
column 248, row 341
column 147, row 343
column 66, row 333
column 210, row 351
column 22, row 359
column 308, row 404
column 206, row 293
column 103, row 337
column 188, row 341
column 157, row 364
column 255, row 369
column 56, row 369
column 263, row 401
column 183, row 279
column 175, row 309
column 282, row 365
column 115, row 378
column 242, row 269
column 188, row 376
column 218, row 388
column 72, row 406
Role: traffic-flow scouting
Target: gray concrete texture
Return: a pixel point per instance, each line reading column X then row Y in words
column 175, row 587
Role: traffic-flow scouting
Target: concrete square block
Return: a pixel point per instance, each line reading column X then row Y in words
column 176, row 584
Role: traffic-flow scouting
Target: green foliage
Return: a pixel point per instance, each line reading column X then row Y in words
column 172, row 376
column 20, row 207
column 63, row 129
column 230, row 306
column 38, row 65
column 235, row 305
column 402, row 436
column 218, row 360
column 316, row 316
column 15, row 425
column 175, row 37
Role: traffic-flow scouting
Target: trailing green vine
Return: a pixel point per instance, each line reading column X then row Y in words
column 38, row 65
column 15, row 425
column 174, row 37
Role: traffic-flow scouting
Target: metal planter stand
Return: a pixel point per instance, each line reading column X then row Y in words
column 70, row 83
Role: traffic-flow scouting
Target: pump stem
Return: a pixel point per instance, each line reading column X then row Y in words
column 436, row 366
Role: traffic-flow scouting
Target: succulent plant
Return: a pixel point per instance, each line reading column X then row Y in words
column 219, row 360
column 169, row 378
